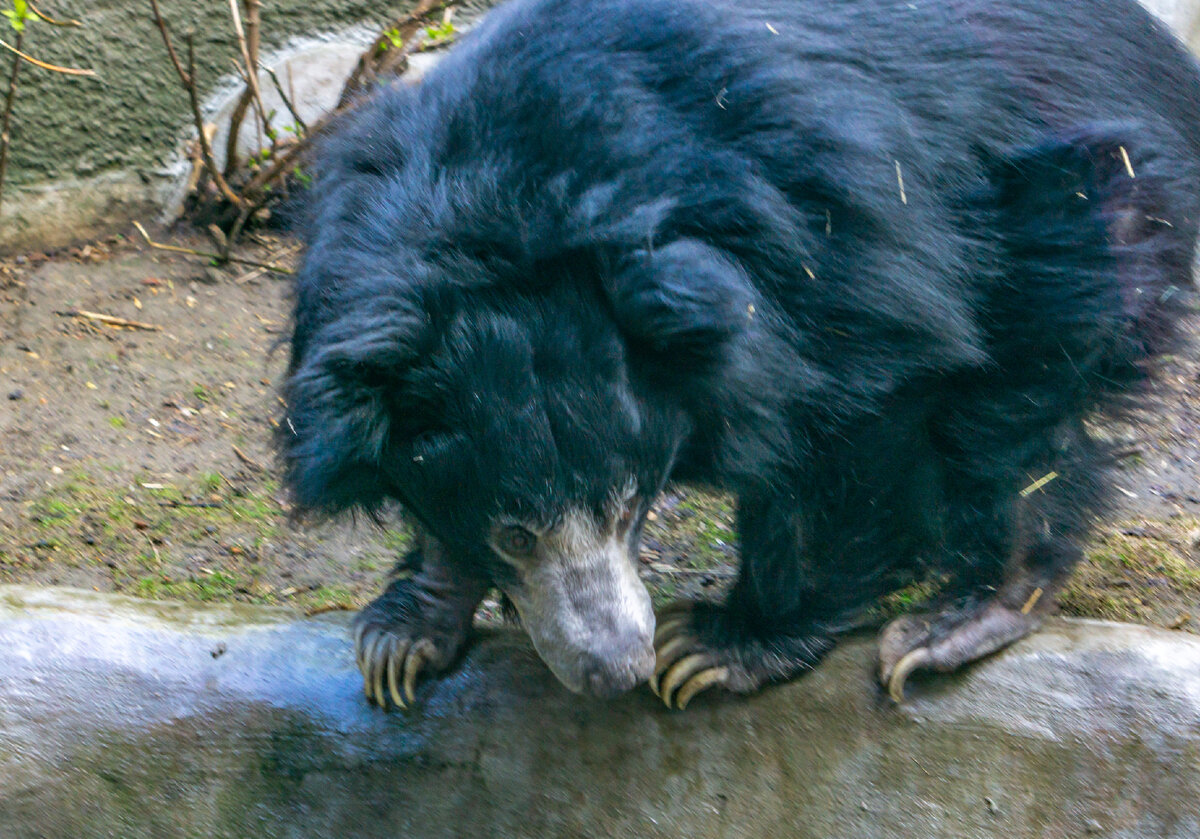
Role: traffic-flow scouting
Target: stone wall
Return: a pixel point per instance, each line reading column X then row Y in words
column 90, row 154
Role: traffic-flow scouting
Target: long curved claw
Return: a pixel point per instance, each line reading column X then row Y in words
column 380, row 655
column 688, row 676
column 912, row 661
column 418, row 656
column 670, row 641
column 363, row 639
column 684, row 666
column 391, row 666
column 373, row 644
column 394, row 669
column 359, row 631
column 668, row 626
column 699, row 682
column 668, row 653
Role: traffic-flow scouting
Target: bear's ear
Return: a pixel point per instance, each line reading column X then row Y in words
column 340, row 396
column 685, row 297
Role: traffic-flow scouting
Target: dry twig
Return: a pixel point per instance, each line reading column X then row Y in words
column 249, row 461
column 43, row 16
column 111, row 320
column 66, row 71
column 278, row 269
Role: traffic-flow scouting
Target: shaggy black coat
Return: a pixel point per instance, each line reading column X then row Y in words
column 866, row 264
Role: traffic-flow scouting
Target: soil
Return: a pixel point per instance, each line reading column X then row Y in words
column 138, row 459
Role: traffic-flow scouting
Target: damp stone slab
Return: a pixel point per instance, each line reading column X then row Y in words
column 129, row 718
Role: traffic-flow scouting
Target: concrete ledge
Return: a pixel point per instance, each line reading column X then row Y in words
column 134, row 719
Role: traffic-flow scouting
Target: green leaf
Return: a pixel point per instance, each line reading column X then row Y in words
column 17, row 24
column 18, row 14
column 441, row 32
column 393, row 39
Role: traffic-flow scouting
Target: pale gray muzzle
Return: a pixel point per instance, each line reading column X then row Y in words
column 588, row 614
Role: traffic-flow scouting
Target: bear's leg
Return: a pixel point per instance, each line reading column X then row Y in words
column 418, row 625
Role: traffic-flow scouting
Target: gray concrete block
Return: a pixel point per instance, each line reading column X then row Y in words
column 134, row 719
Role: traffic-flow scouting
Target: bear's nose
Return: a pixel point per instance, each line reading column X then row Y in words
column 606, row 676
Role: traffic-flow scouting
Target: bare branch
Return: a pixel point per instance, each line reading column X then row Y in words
column 162, row 27
column 42, row 15
column 278, row 269
column 66, row 71
column 205, row 147
column 235, row 129
column 250, row 58
column 382, row 57
column 286, row 100
column 9, row 98
column 188, row 78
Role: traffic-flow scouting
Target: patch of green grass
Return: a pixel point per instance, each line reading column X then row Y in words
column 146, row 536
column 398, row 540
column 699, row 529
column 253, row 508
column 211, row 482
column 369, row 564
column 1137, row 572
column 327, row 599
column 117, row 422
column 204, row 588
column 51, row 510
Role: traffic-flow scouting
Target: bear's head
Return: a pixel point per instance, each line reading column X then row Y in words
column 527, row 426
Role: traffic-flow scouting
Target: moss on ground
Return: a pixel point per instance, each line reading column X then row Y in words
column 201, row 541
column 1141, row 570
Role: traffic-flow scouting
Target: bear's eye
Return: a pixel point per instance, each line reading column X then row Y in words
column 628, row 514
column 515, row 540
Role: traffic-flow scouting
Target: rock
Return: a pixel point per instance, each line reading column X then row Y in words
column 117, row 719
column 1181, row 15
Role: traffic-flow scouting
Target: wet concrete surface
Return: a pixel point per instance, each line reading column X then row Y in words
column 128, row 719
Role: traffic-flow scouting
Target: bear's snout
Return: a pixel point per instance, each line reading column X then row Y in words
column 606, row 676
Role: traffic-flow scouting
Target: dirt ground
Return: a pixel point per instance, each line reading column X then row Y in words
column 138, row 460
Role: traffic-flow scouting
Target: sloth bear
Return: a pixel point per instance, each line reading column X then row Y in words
column 870, row 266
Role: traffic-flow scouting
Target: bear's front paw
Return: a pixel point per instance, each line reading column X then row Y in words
column 683, row 665
column 418, row 626
column 696, row 647
column 391, row 662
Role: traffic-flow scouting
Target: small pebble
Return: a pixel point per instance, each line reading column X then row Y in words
column 14, row 395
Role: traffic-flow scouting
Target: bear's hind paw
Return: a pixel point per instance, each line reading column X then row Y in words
column 945, row 642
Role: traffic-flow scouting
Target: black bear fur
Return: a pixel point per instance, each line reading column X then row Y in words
column 871, row 266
